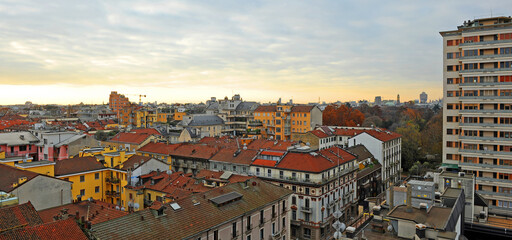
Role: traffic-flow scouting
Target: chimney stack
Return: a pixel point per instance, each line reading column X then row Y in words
column 409, row 203
column 391, row 195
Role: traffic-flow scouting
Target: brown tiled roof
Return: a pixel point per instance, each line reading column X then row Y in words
column 159, row 148
column 224, row 142
column 197, row 213
column 266, row 108
column 77, row 165
column 233, row 155
column 98, row 211
column 130, row 162
column 10, row 175
column 209, row 174
column 200, row 151
column 131, row 138
column 319, row 133
column 360, row 151
column 18, row 216
column 277, row 145
column 60, row 230
column 302, row 108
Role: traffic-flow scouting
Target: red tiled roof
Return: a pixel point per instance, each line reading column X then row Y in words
column 224, row 142
column 264, row 162
column 159, row 148
column 77, row 165
column 151, row 131
column 18, row 216
column 10, row 175
column 319, row 133
column 266, row 108
column 228, row 155
column 383, row 134
column 130, row 162
column 98, row 211
column 347, row 132
column 321, row 161
column 302, row 108
column 132, row 138
column 209, row 174
column 271, row 153
column 276, row 145
column 65, row 229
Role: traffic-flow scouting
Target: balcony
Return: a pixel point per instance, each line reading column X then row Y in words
column 305, row 209
column 484, row 43
column 488, row 152
column 485, row 138
column 485, row 167
column 495, row 195
column 490, row 97
column 486, row 70
column 493, row 181
column 485, row 83
column 113, row 180
column 485, row 111
column 485, row 125
column 489, row 57
column 113, row 194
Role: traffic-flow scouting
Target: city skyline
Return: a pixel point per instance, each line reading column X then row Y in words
column 187, row 52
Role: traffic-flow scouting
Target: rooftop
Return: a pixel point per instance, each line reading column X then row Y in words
column 194, row 215
column 435, row 217
column 77, row 165
column 11, row 175
column 65, row 229
column 18, row 216
column 17, row 138
column 95, row 211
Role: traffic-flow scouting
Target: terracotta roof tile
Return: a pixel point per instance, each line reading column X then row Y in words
column 159, row 148
column 201, row 151
column 77, row 165
column 98, row 211
column 230, row 155
column 323, row 160
column 151, row 131
column 266, row 108
column 319, row 133
column 197, row 213
column 18, row 216
column 65, row 229
column 264, row 162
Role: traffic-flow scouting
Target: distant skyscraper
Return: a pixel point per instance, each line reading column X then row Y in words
column 423, row 97
column 378, row 100
column 398, row 99
column 477, row 105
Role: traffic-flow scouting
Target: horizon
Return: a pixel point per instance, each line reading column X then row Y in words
column 187, row 52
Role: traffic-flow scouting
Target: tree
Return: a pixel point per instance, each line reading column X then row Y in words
column 410, row 144
column 342, row 116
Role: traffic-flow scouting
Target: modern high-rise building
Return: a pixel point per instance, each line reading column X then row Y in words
column 423, row 97
column 477, row 105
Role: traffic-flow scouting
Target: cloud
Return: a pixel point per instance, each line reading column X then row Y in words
column 337, row 49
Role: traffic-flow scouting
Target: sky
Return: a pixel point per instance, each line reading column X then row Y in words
column 68, row 52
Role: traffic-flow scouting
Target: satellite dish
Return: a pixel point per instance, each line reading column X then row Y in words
column 337, row 235
column 390, row 228
column 136, row 206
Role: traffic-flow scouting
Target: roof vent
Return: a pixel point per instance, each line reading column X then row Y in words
column 22, row 137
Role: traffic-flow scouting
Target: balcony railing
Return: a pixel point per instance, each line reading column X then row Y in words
column 113, row 193
column 485, row 138
column 485, row 111
column 113, row 180
column 485, row 167
column 485, row 70
column 491, row 56
column 306, row 209
column 485, row 83
column 485, row 152
column 485, row 125
column 484, row 43
column 485, row 97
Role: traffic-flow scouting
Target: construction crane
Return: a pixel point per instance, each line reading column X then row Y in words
column 140, row 97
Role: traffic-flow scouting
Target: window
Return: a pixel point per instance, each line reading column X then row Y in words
column 97, row 189
column 97, row 176
column 233, row 231
column 249, row 225
column 294, row 214
column 294, row 200
column 248, row 237
column 261, row 217
column 307, row 233
column 23, row 148
column 284, row 223
column 281, row 174
column 269, row 173
column 82, row 192
column 273, row 228
column 262, row 234
column 216, row 235
column 82, row 178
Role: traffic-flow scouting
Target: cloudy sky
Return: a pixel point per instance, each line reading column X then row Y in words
column 186, row 51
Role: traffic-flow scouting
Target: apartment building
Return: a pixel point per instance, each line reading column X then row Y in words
column 477, row 83
column 281, row 120
column 321, row 181
column 117, row 101
column 248, row 210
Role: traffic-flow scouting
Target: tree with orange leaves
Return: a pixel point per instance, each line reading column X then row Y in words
column 343, row 115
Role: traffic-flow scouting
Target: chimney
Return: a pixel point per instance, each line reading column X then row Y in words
column 391, row 195
column 420, row 230
column 409, row 204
